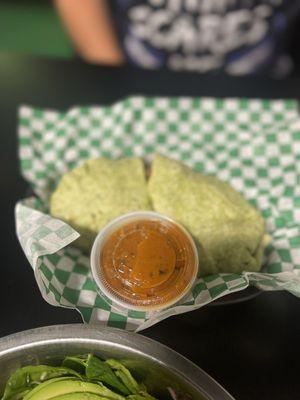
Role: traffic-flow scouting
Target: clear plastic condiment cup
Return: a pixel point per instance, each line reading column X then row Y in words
column 95, row 259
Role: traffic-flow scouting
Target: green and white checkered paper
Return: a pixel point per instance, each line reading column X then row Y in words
column 252, row 144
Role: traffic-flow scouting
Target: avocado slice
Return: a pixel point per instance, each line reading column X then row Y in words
column 24, row 379
column 79, row 396
column 43, row 385
column 53, row 389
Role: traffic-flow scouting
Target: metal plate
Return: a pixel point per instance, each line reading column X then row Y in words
column 157, row 365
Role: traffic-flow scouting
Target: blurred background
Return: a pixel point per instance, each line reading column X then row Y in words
column 32, row 27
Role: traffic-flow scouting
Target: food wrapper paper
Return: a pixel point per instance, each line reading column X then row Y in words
column 252, row 144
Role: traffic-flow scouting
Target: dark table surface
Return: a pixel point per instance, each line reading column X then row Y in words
column 251, row 348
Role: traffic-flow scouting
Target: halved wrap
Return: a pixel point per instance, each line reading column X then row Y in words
column 98, row 191
column 229, row 232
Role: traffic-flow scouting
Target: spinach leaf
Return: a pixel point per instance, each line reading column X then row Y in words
column 77, row 363
column 125, row 376
column 97, row 369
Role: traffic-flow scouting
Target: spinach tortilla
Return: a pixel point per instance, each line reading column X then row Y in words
column 229, row 232
column 98, row 191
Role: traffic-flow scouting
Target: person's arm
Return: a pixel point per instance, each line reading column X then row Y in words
column 89, row 25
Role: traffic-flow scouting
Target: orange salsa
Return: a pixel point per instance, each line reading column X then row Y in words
column 147, row 263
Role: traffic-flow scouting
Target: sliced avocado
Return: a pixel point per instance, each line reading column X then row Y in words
column 69, row 386
column 26, row 378
column 79, row 396
column 43, row 385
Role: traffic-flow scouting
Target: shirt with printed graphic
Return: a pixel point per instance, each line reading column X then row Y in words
column 235, row 36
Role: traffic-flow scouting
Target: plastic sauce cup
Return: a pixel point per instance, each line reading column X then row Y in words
column 134, row 274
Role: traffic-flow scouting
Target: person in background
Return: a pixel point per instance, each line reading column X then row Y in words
column 238, row 37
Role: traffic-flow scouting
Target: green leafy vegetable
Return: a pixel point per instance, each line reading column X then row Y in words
column 97, row 369
column 124, row 374
column 78, row 363
column 84, row 377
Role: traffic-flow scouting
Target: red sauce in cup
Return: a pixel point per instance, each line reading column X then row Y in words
column 148, row 263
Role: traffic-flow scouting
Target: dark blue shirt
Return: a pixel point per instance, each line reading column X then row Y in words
column 236, row 36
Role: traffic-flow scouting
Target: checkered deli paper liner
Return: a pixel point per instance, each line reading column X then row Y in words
column 252, row 144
